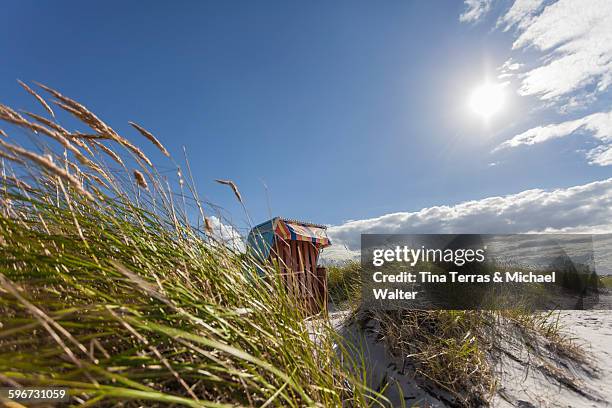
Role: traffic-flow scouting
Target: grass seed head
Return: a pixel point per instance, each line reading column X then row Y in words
column 46, row 122
column 233, row 186
column 140, row 179
column 46, row 162
column 150, row 137
column 208, row 225
column 108, row 151
column 38, row 97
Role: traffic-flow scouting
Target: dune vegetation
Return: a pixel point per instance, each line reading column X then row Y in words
column 109, row 288
column 454, row 354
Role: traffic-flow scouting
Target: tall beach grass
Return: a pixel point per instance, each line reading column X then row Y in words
column 110, row 289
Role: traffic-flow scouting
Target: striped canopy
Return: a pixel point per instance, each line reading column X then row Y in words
column 290, row 230
column 261, row 237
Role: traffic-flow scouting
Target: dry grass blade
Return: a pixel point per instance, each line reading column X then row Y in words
column 63, row 132
column 17, row 182
column 59, row 129
column 69, row 109
column 104, row 131
column 140, row 180
column 70, row 102
column 233, row 186
column 48, row 165
column 97, row 180
column 9, row 381
column 89, row 136
column 11, row 157
column 108, row 151
column 8, row 115
column 150, row 137
column 11, row 404
column 46, row 122
column 3, row 133
column 45, row 321
column 91, row 120
column 38, row 97
column 155, row 351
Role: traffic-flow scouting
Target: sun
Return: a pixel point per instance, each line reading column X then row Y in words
column 487, row 99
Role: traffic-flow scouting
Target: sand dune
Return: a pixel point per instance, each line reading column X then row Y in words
column 530, row 370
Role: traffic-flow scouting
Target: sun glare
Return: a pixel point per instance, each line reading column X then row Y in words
column 487, row 100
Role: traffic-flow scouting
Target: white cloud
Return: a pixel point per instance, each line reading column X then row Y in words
column 338, row 254
column 520, row 14
column 226, row 234
column 577, row 209
column 508, row 68
column 575, row 68
column 598, row 124
column 601, row 155
column 475, row 10
column 577, row 39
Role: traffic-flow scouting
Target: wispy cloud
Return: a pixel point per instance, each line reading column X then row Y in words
column 576, row 38
column 585, row 208
column 475, row 10
column 520, row 14
column 573, row 70
column 599, row 125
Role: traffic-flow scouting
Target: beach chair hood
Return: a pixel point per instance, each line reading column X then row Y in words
column 261, row 237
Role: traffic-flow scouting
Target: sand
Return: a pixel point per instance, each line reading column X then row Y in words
column 530, row 372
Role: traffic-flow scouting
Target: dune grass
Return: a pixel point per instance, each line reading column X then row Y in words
column 606, row 281
column 343, row 282
column 107, row 287
column 450, row 352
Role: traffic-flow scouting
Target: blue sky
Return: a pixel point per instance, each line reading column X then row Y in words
column 344, row 110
